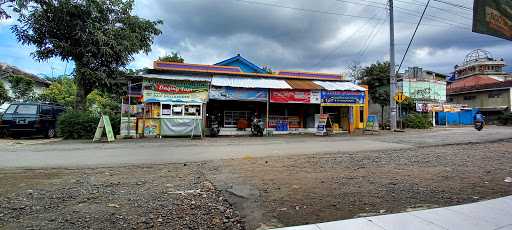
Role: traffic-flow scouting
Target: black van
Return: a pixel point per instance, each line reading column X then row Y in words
column 31, row 119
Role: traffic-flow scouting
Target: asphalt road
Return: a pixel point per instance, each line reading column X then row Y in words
column 154, row 151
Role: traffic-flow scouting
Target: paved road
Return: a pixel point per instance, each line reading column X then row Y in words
column 148, row 151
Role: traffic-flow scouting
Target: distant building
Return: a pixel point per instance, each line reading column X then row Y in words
column 8, row 70
column 480, row 82
column 423, row 85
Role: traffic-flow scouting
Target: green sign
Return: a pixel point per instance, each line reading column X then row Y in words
column 159, row 90
column 104, row 124
column 493, row 17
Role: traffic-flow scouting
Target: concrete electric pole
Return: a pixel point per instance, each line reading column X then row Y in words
column 392, row 74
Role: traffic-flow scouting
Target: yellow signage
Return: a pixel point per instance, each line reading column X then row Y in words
column 400, row 97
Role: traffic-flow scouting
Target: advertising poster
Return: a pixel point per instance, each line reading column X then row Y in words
column 238, row 94
column 342, row 98
column 295, row 96
column 158, row 90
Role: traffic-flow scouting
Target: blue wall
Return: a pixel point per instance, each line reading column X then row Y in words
column 464, row 117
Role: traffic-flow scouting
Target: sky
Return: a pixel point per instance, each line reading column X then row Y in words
column 321, row 36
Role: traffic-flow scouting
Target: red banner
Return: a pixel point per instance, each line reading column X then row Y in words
column 293, row 96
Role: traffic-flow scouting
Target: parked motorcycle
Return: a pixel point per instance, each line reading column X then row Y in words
column 479, row 125
column 257, row 127
column 214, row 128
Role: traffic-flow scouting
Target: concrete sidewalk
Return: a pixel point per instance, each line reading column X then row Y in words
column 486, row 215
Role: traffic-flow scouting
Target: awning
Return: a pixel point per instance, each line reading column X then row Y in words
column 250, row 82
column 177, row 77
column 328, row 85
column 303, row 84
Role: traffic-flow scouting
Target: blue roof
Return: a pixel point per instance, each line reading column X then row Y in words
column 242, row 63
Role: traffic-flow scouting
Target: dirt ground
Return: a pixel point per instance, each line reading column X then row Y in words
column 255, row 193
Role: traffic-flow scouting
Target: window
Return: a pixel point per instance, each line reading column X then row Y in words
column 192, row 110
column 166, row 110
column 46, row 110
column 231, row 118
column 27, row 109
column 450, row 99
column 494, row 95
column 177, row 110
column 469, row 98
column 11, row 109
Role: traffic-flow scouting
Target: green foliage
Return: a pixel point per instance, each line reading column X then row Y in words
column 98, row 102
column 418, row 121
column 77, row 125
column 505, row 118
column 376, row 76
column 22, row 87
column 82, row 125
column 268, row 70
column 99, row 36
column 61, row 91
column 4, row 95
column 174, row 57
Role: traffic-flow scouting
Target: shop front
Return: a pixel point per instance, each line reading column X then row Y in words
column 234, row 107
column 345, row 109
column 293, row 110
column 173, row 107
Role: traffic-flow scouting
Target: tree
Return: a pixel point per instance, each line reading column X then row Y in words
column 22, row 87
column 99, row 36
column 268, row 69
column 4, row 95
column 61, row 91
column 174, row 57
column 376, row 76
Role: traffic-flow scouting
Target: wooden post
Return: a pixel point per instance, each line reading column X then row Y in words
column 268, row 105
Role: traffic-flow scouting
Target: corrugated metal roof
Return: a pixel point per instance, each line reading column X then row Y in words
column 328, row 85
column 177, row 77
column 303, row 84
column 250, row 82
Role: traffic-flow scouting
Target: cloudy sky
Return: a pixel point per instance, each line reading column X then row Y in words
column 320, row 35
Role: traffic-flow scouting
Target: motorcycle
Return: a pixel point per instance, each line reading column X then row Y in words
column 257, row 127
column 214, row 128
column 479, row 125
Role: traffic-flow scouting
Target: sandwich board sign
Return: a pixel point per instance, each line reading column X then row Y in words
column 104, row 124
column 321, row 128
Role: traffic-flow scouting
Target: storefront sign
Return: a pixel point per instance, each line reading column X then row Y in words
column 158, row 90
column 493, row 17
column 342, row 98
column 242, row 94
column 436, row 107
column 295, row 96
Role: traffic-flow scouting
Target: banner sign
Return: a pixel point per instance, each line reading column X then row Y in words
column 493, row 17
column 436, row 107
column 340, row 98
column 295, row 96
column 242, row 94
column 157, row 90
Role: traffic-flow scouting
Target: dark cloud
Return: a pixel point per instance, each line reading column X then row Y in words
column 207, row 31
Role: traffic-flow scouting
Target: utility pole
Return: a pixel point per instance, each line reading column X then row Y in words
column 392, row 74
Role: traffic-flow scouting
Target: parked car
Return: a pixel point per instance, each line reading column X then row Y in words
column 32, row 118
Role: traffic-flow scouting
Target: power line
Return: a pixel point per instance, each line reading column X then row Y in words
column 413, row 35
column 303, row 9
column 436, row 8
column 455, row 5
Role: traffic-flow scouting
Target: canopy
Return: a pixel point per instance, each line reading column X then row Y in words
column 250, row 82
column 328, row 85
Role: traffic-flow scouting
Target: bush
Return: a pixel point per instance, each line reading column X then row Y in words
column 82, row 125
column 418, row 121
column 505, row 119
column 77, row 125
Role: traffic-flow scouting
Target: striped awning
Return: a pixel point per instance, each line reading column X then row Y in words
column 303, row 84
